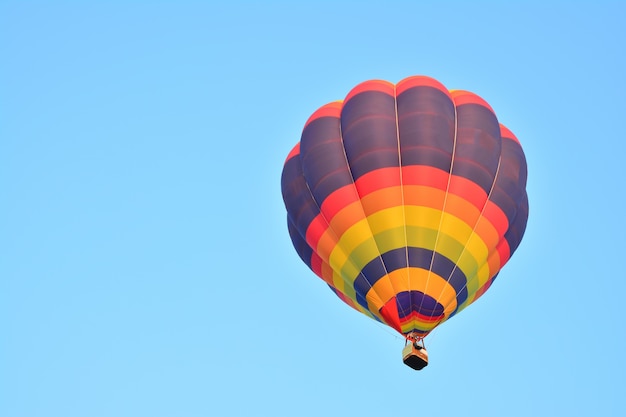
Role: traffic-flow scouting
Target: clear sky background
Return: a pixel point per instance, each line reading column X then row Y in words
column 145, row 264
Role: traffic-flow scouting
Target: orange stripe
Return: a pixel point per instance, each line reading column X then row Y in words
column 295, row 151
column 328, row 110
column 489, row 234
column 462, row 97
column 496, row 217
column 493, row 261
column 339, row 199
column 328, row 274
column 382, row 199
column 463, row 209
column 420, row 81
column 468, row 190
column 325, row 245
column 418, row 195
column 507, row 134
column 372, row 85
column 490, row 229
column 315, row 231
column 378, row 179
column 346, row 218
column 482, row 290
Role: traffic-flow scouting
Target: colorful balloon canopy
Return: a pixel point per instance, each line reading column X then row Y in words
column 406, row 199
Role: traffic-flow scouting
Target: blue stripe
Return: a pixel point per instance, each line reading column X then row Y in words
column 417, row 258
column 407, row 300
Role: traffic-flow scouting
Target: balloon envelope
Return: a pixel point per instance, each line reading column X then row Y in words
column 406, row 200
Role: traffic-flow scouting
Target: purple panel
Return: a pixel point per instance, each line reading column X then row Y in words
column 426, row 126
column 368, row 128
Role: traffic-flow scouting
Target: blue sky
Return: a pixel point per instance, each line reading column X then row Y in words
column 145, row 265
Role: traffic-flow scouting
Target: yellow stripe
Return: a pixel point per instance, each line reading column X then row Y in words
column 388, row 286
column 456, row 229
column 480, row 262
column 386, row 219
column 486, row 272
column 357, row 247
column 422, row 216
column 389, row 229
column 339, row 283
column 358, row 243
column 420, row 325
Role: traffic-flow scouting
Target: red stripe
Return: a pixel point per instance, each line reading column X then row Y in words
column 420, row 317
column 411, row 175
column 315, row 231
column 316, row 265
column 378, row 179
column 294, row 152
column 390, row 313
column 425, row 175
column 328, row 110
column 504, row 250
column 345, row 299
column 372, row 85
column 420, row 81
column 482, row 290
column 467, row 190
column 507, row 134
column 337, row 200
column 496, row 217
column 327, row 274
column 462, row 97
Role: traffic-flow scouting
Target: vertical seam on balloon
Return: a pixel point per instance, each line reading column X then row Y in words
column 491, row 252
column 344, row 279
column 406, row 240
column 345, row 155
column 468, row 279
column 443, row 210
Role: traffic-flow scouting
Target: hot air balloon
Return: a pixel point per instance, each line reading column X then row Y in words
column 407, row 200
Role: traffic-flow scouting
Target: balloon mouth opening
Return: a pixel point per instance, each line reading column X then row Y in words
column 413, row 311
column 410, row 303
